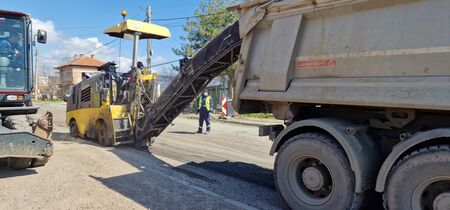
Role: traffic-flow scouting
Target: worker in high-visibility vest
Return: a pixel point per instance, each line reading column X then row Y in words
column 205, row 106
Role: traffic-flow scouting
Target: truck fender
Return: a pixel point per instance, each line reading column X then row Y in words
column 362, row 152
column 415, row 142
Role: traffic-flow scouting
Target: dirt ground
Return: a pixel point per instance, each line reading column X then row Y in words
column 228, row 169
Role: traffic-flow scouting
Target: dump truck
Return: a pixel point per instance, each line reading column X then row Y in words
column 361, row 85
column 20, row 148
column 363, row 89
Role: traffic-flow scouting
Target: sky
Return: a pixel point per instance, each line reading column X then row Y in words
column 76, row 26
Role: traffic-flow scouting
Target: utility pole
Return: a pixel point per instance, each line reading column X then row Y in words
column 148, row 19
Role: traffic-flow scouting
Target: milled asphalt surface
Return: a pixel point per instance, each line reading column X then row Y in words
column 227, row 169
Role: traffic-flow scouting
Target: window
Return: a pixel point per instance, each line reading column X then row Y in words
column 13, row 73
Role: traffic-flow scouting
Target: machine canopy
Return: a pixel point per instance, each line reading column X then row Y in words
column 146, row 30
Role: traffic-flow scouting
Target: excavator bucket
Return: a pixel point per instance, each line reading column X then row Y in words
column 43, row 127
column 22, row 149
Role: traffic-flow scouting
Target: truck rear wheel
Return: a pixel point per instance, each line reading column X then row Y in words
column 312, row 172
column 421, row 180
column 19, row 163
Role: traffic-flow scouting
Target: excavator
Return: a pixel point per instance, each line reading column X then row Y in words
column 20, row 148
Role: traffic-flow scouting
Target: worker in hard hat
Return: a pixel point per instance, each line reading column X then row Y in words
column 205, row 106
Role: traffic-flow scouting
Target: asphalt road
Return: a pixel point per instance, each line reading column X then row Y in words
column 227, row 169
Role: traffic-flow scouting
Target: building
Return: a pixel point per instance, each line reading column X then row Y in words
column 48, row 88
column 72, row 72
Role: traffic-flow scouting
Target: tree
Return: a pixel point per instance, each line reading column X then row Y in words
column 213, row 18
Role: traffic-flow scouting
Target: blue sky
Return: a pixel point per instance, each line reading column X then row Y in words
column 77, row 26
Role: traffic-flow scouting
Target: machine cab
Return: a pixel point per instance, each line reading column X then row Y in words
column 16, row 69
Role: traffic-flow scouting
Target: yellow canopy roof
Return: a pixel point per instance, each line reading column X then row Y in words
column 147, row 30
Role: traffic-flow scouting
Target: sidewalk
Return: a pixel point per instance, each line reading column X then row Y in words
column 236, row 120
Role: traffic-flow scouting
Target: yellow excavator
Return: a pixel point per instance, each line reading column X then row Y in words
column 106, row 106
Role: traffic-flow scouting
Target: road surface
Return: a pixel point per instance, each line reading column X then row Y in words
column 227, row 169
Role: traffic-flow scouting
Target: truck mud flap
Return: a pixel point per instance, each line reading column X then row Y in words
column 194, row 76
column 24, row 145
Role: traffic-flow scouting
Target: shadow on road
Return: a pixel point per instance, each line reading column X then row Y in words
column 142, row 185
column 60, row 136
column 5, row 172
column 181, row 132
column 244, row 171
column 146, row 186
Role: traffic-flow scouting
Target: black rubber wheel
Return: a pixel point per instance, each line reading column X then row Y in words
column 19, row 163
column 421, row 180
column 37, row 163
column 101, row 134
column 312, row 172
column 3, row 162
column 73, row 129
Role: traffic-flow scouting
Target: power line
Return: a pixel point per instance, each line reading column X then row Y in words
column 158, row 19
column 87, row 52
column 101, row 46
column 165, row 63
column 173, row 6
column 189, row 17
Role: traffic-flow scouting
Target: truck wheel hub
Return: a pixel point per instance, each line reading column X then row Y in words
column 442, row 201
column 315, row 177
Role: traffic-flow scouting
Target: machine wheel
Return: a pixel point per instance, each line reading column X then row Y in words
column 101, row 134
column 73, row 129
column 313, row 172
column 19, row 163
column 421, row 180
column 37, row 163
column 3, row 162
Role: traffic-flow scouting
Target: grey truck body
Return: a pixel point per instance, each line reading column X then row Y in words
column 376, row 53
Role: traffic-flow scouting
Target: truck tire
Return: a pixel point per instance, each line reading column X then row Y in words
column 421, row 180
column 312, row 172
column 73, row 129
column 19, row 163
column 101, row 134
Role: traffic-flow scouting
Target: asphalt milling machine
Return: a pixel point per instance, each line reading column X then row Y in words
column 127, row 107
column 20, row 148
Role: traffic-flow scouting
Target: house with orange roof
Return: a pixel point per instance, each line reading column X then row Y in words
column 72, row 72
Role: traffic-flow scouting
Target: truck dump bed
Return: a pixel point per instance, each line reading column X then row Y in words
column 198, row 72
column 372, row 53
column 368, row 53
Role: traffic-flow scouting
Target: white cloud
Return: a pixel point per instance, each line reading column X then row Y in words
column 158, row 59
column 62, row 48
column 76, row 45
column 124, row 64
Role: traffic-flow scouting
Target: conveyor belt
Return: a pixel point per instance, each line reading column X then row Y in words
column 199, row 71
